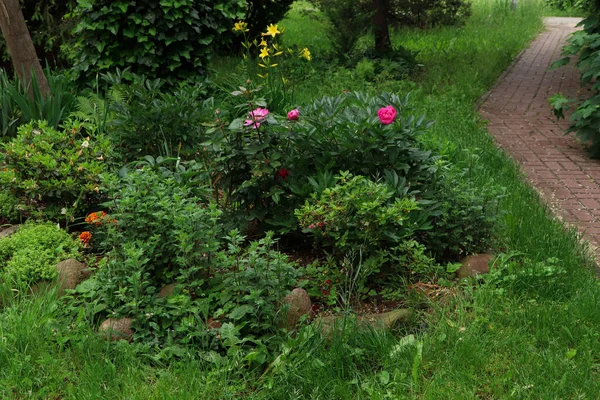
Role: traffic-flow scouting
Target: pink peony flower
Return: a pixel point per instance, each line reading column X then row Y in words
column 254, row 124
column 293, row 115
column 256, row 117
column 259, row 113
column 387, row 115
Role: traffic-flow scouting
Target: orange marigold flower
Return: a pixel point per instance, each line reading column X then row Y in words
column 95, row 218
column 85, row 237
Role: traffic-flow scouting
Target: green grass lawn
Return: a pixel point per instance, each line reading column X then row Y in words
column 535, row 336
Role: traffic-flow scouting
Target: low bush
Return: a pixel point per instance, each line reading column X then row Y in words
column 8, row 207
column 571, row 5
column 33, row 252
column 465, row 218
column 359, row 214
column 586, row 118
column 264, row 165
column 147, row 118
column 53, row 172
column 348, row 21
column 159, row 233
column 428, row 13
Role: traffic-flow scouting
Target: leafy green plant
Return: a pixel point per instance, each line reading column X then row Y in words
column 465, row 219
column 53, row 172
column 428, row 13
column 348, row 21
column 516, row 273
column 163, row 234
column 359, row 214
column 586, row 118
column 571, row 5
column 34, row 250
column 255, row 281
column 8, row 206
column 22, row 102
column 164, row 39
column 146, row 118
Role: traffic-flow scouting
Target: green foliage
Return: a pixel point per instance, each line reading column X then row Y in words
column 8, row 206
column 428, row 13
column 572, row 5
column 518, row 274
column 348, row 21
column 166, row 39
column 254, row 282
column 586, row 118
column 53, row 172
column 365, row 69
column 359, row 214
column 34, row 250
column 465, row 218
column 267, row 170
column 17, row 107
column 174, row 227
column 343, row 133
column 163, row 234
column 146, row 118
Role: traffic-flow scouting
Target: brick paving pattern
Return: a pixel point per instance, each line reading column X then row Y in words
column 522, row 123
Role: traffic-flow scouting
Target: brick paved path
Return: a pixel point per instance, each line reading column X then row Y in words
column 522, row 123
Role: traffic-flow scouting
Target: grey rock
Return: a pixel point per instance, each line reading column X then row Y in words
column 297, row 304
column 380, row 321
column 70, row 274
column 9, row 231
column 114, row 329
column 166, row 290
column 475, row 265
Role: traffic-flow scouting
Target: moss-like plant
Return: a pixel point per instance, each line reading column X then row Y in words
column 34, row 250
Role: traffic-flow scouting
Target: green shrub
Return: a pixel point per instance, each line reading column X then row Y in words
column 53, row 172
column 266, row 172
column 145, row 118
column 175, row 227
column 254, row 281
column 365, row 69
column 163, row 234
column 465, row 219
column 359, row 214
column 571, row 5
column 34, row 250
column 167, row 39
column 428, row 13
column 8, row 207
column 348, row 21
column 344, row 133
column 586, row 118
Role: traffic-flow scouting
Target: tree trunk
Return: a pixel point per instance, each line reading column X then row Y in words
column 383, row 44
column 20, row 45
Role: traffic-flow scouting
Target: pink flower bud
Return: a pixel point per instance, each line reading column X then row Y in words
column 293, row 115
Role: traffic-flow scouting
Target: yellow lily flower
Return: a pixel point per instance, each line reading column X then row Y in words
column 264, row 52
column 263, row 43
column 272, row 30
column 240, row 27
column 305, row 53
